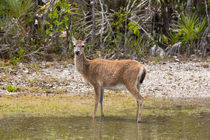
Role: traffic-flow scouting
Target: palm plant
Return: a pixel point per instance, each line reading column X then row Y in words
column 14, row 16
column 15, row 13
column 18, row 8
column 190, row 29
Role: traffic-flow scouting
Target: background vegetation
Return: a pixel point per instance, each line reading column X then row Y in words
column 42, row 29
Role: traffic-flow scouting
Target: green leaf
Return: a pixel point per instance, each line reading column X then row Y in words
column 55, row 15
column 50, row 15
column 56, row 22
column 46, row 22
column 165, row 39
column 48, row 31
column 136, row 31
column 69, row 11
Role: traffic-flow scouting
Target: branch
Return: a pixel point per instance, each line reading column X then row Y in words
column 93, row 20
column 102, row 24
column 126, row 24
column 44, row 16
column 149, row 36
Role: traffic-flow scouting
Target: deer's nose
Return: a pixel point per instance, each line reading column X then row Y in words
column 77, row 52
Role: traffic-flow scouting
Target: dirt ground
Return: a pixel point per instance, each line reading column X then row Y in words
column 163, row 79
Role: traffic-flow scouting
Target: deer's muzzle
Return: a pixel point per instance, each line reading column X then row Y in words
column 77, row 52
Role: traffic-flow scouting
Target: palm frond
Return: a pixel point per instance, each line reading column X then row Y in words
column 18, row 8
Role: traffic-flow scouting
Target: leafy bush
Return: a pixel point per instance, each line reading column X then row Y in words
column 11, row 88
column 134, row 28
column 190, row 29
column 28, row 31
column 15, row 24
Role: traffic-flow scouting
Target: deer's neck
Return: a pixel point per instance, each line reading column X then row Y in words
column 81, row 63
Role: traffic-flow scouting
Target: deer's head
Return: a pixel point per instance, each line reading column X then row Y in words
column 78, row 46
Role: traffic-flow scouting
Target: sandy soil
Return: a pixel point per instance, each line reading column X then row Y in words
column 164, row 79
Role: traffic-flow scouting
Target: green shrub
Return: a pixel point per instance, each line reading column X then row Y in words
column 11, row 88
column 190, row 29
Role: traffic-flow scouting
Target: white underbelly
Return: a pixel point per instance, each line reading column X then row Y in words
column 117, row 87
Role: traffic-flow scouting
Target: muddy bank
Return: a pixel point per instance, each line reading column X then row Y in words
column 164, row 79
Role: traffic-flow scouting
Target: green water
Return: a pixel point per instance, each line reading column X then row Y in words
column 154, row 127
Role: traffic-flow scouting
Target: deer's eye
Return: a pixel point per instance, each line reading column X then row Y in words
column 82, row 46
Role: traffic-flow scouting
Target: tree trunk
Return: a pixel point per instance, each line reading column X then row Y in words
column 189, row 8
column 205, row 41
column 166, row 11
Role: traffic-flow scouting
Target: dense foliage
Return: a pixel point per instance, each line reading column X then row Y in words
column 42, row 29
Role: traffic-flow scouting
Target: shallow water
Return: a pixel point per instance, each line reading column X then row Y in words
column 179, row 127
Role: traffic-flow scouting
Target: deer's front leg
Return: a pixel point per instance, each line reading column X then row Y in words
column 97, row 94
column 137, row 113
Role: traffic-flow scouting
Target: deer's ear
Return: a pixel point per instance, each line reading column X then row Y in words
column 73, row 39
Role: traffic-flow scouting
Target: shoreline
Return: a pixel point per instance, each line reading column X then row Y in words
column 120, row 105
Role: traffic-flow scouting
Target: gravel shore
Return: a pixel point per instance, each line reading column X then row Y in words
column 164, row 79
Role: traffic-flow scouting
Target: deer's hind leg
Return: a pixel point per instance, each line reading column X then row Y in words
column 135, row 92
column 101, row 101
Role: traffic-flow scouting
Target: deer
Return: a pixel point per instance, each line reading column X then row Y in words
column 110, row 74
